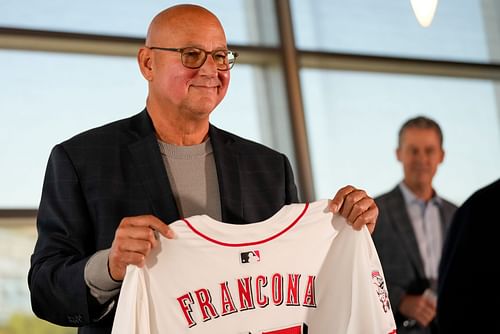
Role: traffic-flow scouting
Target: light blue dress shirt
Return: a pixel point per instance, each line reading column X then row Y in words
column 426, row 221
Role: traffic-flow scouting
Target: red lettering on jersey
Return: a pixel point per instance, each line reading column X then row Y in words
column 277, row 289
column 264, row 292
column 310, row 294
column 245, row 293
column 292, row 296
column 205, row 303
column 261, row 282
column 227, row 303
column 185, row 302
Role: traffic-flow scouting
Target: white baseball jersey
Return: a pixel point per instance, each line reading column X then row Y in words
column 304, row 270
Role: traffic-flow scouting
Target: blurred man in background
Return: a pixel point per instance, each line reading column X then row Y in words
column 411, row 227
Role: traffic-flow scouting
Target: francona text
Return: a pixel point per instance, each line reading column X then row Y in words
column 252, row 291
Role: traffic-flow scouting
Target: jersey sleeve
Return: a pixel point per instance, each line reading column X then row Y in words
column 370, row 294
column 132, row 312
column 353, row 296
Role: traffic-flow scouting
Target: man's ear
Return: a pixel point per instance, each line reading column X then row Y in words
column 398, row 154
column 442, row 155
column 144, row 58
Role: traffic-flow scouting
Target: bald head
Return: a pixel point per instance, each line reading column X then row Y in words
column 181, row 98
column 180, row 19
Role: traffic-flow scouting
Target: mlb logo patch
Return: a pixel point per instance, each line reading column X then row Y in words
column 250, row 256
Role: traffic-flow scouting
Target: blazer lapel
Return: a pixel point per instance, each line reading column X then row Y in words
column 151, row 170
column 446, row 212
column 226, row 162
column 404, row 228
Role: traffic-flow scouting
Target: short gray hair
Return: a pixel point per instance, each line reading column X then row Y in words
column 421, row 122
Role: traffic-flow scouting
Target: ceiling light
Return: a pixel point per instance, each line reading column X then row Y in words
column 424, row 11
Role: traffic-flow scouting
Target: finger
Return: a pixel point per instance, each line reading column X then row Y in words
column 426, row 312
column 421, row 317
column 358, row 208
column 134, row 238
column 123, row 246
column 123, row 259
column 426, row 316
column 117, row 263
column 142, row 247
column 368, row 217
column 350, row 202
column 135, row 232
column 150, row 221
column 134, row 258
column 166, row 231
column 430, row 304
column 338, row 201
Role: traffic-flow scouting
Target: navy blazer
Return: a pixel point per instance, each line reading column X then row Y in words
column 96, row 178
column 468, row 275
column 398, row 251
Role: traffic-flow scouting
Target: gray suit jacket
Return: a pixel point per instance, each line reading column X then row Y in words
column 398, row 251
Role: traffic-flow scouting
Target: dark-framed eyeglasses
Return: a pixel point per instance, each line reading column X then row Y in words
column 192, row 57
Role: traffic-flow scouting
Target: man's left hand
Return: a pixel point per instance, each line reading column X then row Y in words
column 356, row 207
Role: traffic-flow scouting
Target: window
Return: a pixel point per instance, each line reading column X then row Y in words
column 462, row 30
column 64, row 94
column 126, row 17
column 352, row 113
column 353, row 119
column 47, row 97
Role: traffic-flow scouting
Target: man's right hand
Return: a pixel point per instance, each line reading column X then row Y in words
column 418, row 307
column 134, row 240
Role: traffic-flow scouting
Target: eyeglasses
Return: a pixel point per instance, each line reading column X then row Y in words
column 192, row 57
